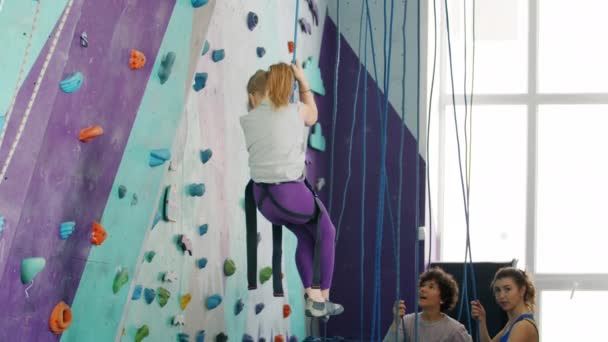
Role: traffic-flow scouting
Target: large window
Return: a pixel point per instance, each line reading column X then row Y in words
column 539, row 160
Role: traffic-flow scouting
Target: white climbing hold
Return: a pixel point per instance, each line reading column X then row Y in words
column 179, row 320
column 170, row 277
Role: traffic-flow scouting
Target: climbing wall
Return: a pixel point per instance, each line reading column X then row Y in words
column 115, row 103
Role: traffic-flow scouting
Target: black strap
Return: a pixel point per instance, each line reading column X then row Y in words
column 252, row 237
column 277, row 250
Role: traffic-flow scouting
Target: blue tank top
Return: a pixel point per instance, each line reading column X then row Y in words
column 527, row 316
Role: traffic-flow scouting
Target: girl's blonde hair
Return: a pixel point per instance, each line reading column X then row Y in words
column 257, row 83
column 280, row 84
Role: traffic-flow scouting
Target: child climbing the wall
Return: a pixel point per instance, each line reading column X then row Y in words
column 276, row 134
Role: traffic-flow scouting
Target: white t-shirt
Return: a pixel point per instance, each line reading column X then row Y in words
column 444, row 330
column 276, row 142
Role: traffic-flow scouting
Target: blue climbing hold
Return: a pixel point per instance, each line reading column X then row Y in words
column 213, row 301
column 206, row 47
column 66, row 229
column 201, row 263
column 202, row 230
column 159, row 156
column 292, row 338
column 259, row 307
column 218, row 55
column 1, row 221
column 238, row 307
column 206, row 155
column 149, row 295
column 252, row 20
column 316, row 139
column 71, row 83
column 157, row 217
column 199, row 3
column 197, row 189
column 200, row 337
column 166, row 65
column 183, row 337
column 248, row 338
column 261, row 339
column 200, row 80
column 260, row 51
column 137, row 292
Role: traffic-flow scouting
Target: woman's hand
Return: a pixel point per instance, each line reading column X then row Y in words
column 477, row 311
column 399, row 310
column 298, row 71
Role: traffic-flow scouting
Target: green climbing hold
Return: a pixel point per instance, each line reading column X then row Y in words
column 142, row 332
column 316, row 139
column 122, row 277
column 150, row 255
column 163, row 296
column 229, row 267
column 30, row 268
column 265, row 274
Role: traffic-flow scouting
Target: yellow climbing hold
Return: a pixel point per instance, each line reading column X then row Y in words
column 185, row 300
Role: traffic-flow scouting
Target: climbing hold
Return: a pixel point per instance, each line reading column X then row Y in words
column 173, row 165
column 259, row 307
column 261, row 339
column 197, row 189
column 279, row 338
column 200, row 337
column 1, row 224
column 316, row 140
column 202, row 230
column 200, row 80
column 84, row 39
column 142, row 333
column 165, row 67
column 163, row 296
column 157, row 217
column 90, row 133
column 66, row 229
column 61, row 318
column 218, row 55
column 293, row 338
column 170, row 208
column 221, row 337
column 248, row 338
column 238, row 307
column 305, row 25
column 229, row 267
column 159, row 156
column 137, row 292
column 205, row 48
column 149, row 295
column 137, row 60
column 252, row 20
column 199, row 3
column 122, row 277
column 213, row 301
column 170, row 277
column 185, row 300
column 185, row 244
column 201, row 263
column 259, row 237
column 260, row 51
column 30, row 268
column 314, row 10
column 265, row 274
column 150, row 255
column 320, row 184
column 206, row 155
column 71, row 83
column 291, row 46
column 313, row 75
column 99, row 234
column 286, row 310
column 122, row 191
column 134, row 200
column 178, row 320
column 183, row 337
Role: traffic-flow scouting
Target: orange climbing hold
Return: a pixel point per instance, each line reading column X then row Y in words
column 290, row 46
column 137, row 59
column 286, row 310
column 61, row 318
column 98, row 236
column 90, row 133
column 279, row 338
column 185, row 300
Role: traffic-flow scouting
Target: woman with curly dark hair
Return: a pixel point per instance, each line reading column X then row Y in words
column 438, row 293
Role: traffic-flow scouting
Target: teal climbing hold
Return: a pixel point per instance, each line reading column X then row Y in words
column 122, row 277
column 229, row 267
column 159, row 156
column 122, row 191
column 197, row 189
column 149, row 295
column 313, row 75
column 202, row 230
column 213, row 301
column 157, row 217
column 183, row 337
column 206, row 47
column 71, row 83
column 166, row 65
column 200, row 81
column 218, row 55
column 137, row 292
column 66, row 229
column 199, row 3
column 150, row 255
column 316, row 139
column 134, row 200
column 201, row 263
column 1, row 219
column 206, row 155
column 30, row 267
column 248, row 338
column 200, row 337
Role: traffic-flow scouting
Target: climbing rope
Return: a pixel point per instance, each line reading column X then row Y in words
column 363, row 184
column 34, row 93
column 335, row 109
column 428, row 134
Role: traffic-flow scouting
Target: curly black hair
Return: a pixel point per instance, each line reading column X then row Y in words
column 448, row 287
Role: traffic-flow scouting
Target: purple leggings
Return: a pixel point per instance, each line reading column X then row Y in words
column 296, row 197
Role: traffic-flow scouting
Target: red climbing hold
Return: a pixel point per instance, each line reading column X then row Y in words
column 90, row 133
column 61, row 318
column 290, row 46
column 137, row 60
column 286, row 310
column 98, row 236
column 279, row 338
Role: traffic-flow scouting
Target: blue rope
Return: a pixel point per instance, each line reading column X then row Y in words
column 295, row 47
column 363, row 181
column 428, row 134
column 335, row 110
column 417, row 170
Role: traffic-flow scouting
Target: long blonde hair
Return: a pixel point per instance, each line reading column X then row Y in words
column 280, row 84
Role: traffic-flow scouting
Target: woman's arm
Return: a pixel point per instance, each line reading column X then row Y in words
column 523, row 331
column 308, row 111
